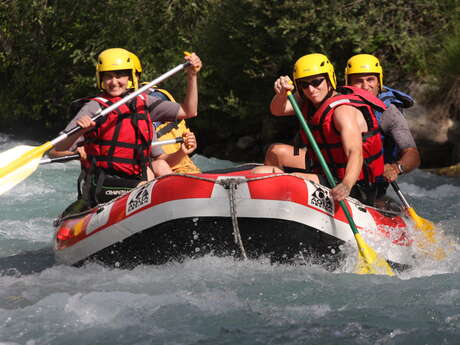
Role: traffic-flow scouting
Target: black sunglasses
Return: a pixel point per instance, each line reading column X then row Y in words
column 315, row 83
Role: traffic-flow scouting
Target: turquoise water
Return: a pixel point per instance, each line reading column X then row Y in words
column 216, row 300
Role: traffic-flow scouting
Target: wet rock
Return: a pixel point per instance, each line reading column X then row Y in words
column 452, row 171
column 436, row 126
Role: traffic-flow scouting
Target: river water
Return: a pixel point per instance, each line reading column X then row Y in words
column 216, row 300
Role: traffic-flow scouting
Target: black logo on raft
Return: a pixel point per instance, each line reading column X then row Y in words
column 321, row 198
column 140, row 198
column 114, row 192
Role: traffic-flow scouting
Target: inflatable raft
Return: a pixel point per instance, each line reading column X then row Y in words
column 229, row 212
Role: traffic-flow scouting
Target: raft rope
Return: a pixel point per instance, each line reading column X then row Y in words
column 231, row 185
column 241, row 179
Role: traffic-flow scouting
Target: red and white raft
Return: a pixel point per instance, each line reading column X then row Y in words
column 237, row 213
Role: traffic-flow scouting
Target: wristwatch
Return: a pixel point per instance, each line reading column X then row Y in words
column 400, row 168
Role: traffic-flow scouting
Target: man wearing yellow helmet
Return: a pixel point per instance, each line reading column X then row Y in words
column 342, row 123
column 118, row 147
column 400, row 151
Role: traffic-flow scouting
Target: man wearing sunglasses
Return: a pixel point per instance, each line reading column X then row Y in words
column 400, row 151
column 343, row 124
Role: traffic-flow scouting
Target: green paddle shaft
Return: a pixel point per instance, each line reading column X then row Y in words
column 322, row 161
column 369, row 262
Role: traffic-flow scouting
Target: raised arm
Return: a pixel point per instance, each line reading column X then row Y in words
column 280, row 106
column 189, row 106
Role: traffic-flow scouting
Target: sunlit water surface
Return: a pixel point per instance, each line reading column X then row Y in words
column 216, row 300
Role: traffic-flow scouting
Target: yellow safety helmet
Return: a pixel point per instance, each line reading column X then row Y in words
column 137, row 63
column 117, row 59
column 364, row 63
column 313, row 64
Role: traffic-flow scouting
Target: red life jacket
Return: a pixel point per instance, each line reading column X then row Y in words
column 120, row 143
column 328, row 138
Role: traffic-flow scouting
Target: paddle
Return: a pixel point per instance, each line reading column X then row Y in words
column 68, row 158
column 422, row 224
column 62, row 159
column 21, row 161
column 368, row 260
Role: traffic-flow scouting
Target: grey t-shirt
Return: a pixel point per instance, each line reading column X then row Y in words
column 160, row 110
column 394, row 123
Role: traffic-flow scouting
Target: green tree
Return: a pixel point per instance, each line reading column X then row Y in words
column 48, row 50
column 249, row 43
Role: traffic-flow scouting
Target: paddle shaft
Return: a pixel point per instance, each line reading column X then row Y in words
column 368, row 260
column 122, row 101
column 321, row 159
column 395, row 186
column 18, row 168
column 423, row 224
column 64, row 159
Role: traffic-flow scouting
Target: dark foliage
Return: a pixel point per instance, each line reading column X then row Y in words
column 48, row 51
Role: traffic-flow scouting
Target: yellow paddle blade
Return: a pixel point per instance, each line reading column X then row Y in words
column 368, row 260
column 422, row 224
column 18, row 163
column 428, row 244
